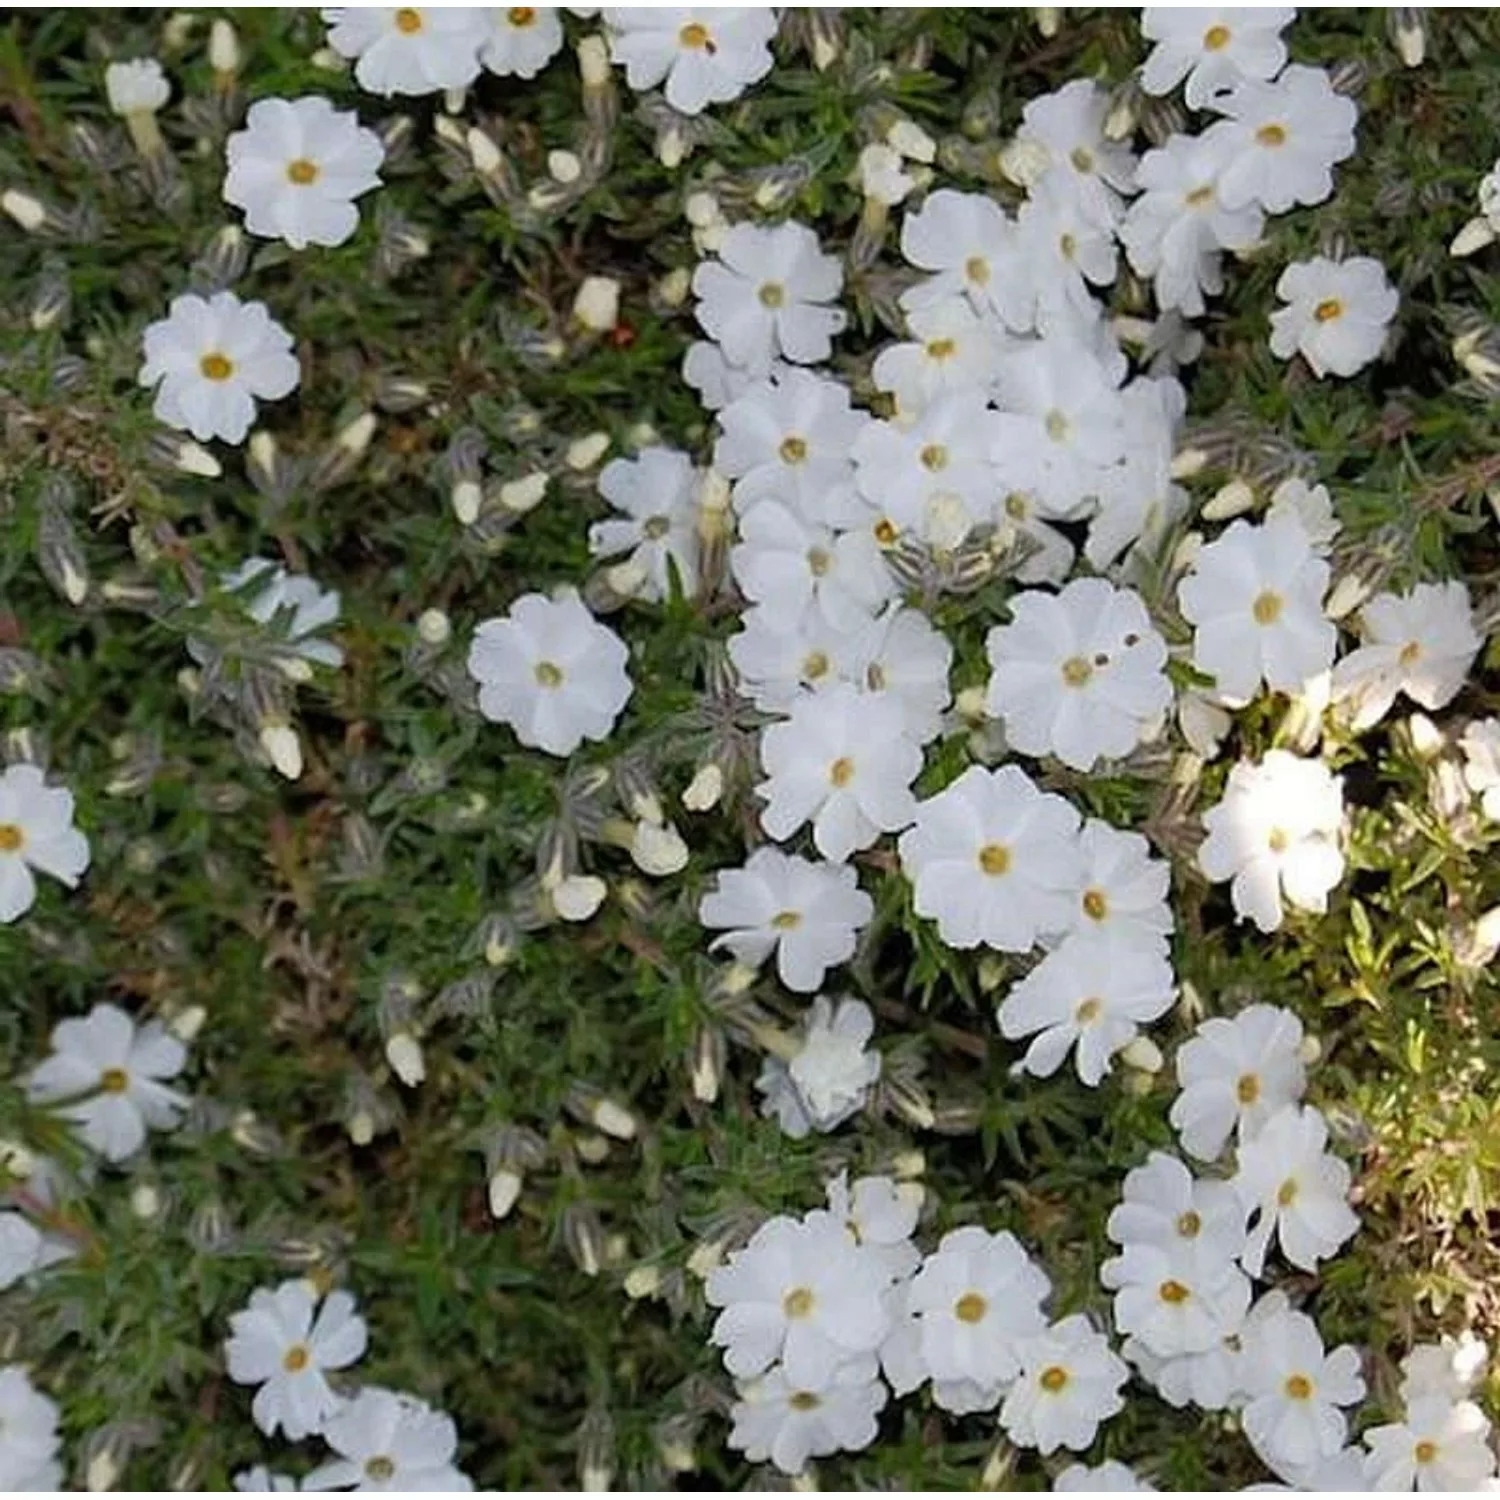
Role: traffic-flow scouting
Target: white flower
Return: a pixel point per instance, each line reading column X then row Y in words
column 774, row 1419
column 765, row 296
column 1121, row 891
column 1481, row 747
column 1255, row 596
column 1110, row 1477
column 1137, row 500
column 119, row 1069
column 1310, row 506
column 522, row 39
column 786, row 562
column 1281, row 139
column 260, row 1479
column 551, row 671
column 904, row 657
column 951, row 348
column 28, row 1435
column 1214, row 49
column 1066, row 250
column 297, row 167
column 211, row 359
column 657, row 491
column 1299, row 1191
column 1295, row 1389
column 1080, row 675
column 880, row 176
column 1342, row 1473
column 22, row 1248
column 967, row 241
column 1421, row 643
column 1175, row 230
column 707, row 56
column 1275, row 834
column 993, row 860
column 1069, row 1383
column 36, row 833
column 1175, row 1299
column 1449, row 1369
column 841, row 761
column 1090, row 991
column 717, row 381
column 781, row 660
column 789, row 439
column 276, row 1343
column 802, row 1293
column 1069, row 126
column 304, row 609
column 830, row 1076
column 1235, row 1073
column 388, row 1441
column 136, row 87
column 1166, row 1207
column 1442, row 1445
column 1337, row 313
column 974, row 1299
column 409, row 50
column 932, row 478
column 809, row 914
column 881, row 1214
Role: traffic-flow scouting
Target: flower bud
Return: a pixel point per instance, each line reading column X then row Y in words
column 907, row 137
column 583, row 453
column 521, row 495
column 576, row 898
column 674, row 287
column 404, row 1053
column 283, row 748
column 1310, row 1050
column 583, row 1237
column 658, row 849
column 1348, row 594
column 434, row 627
column 223, row 52
column 30, row 213
column 504, row 1189
column 704, row 790
column 465, row 498
column 1426, row 737
column 188, row 1022
column 1409, row 33
column 593, row 62
column 145, row 1201
column 1234, row 499
column 1188, row 462
column 484, row 153
column 707, row 1064
column 1142, row 1054
column 193, row 458
column 642, row 1281
column 597, row 305
column 705, row 1259
column 564, row 167
column 1475, row 235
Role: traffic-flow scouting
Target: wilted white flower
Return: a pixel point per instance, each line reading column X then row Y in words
column 830, row 1076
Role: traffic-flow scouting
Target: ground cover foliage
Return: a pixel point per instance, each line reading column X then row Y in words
column 290, row 928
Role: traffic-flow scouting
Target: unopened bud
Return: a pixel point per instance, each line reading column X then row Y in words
column 1310, row 1050
column 465, row 497
column 658, row 848
column 577, row 897
column 188, row 1022
column 1025, row 162
column 1048, row 20
column 193, row 458
column 30, row 213
column 597, row 305
column 281, row 744
column 707, row 1064
column 564, row 167
column 434, row 627
column 1143, row 1055
column 504, row 1189
column 223, row 50
column 145, row 1201
column 614, row 1120
column 483, row 152
column 1409, row 33
column 404, row 1053
column 583, row 453
column 671, row 148
column 1348, row 594
column 1426, row 737
column 674, row 287
column 593, row 62
column 907, row 137
column 1475, row 235
column 704, row 790
column 642, row 1281
column 1188, row 462
column 521, row 495
column 705, row 1259
column 354, row 437
column 1234, row 499
column 361, row 1127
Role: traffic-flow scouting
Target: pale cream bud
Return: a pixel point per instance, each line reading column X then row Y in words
column 1188, row 462
column 434, row 627
column 446, row 128
column 465, row 498
column 354, row 437
column 329, row 60
column 1143, row 1055
column 969, row 705
column 626, row 578
column 404, row 1053
column 483, row 152
column 187, row 1023
column 1310, row 1050
column 281, row 744
column 263, row 450
column 295, row 668
column 193, row 458
column 103, row 1469
column 597, row 305
column 1025, row 162
column 705, row 789
column 564, row 167
column 671, row 147
column 1186, row 551
column 907, row 137
column 613, row 1119
column 705, row 1259
column 1048, row 20
column 521, row 495
column 504, row 1189
column 1348, row 594
column 593, row 62
column 454, row 100
column 738, row 978
column 27, row 211
column 1234, row 499
column 577, row 897
column 642, row 1281
column 1475, row 235
column 702, row 210
column 592, row 1149
column 909, row 1165
column 361, row 1127
column 223, row 49
column 583, row 453
column 658, row 848
column 674, row 287
column 75, row 586
column 145, row 1201
column 1426, row 737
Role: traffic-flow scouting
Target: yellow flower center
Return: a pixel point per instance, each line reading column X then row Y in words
column 11, row 838
column 548, row 674
column 1200, row 196
column 656, row 528
column 1095, row 904
column 1410, row 653
column 934, row 458
column 1068, row 244
column 1327, row 310
column 772, row 293
column 815, row 666
column 1053, row 1379
column 1088, row 1011
column 841, row 772
column 875, row 677
column 696, row 36
column 216, row 366
column 1057, row 426
column 1247, row 1090
column 302, row 172
column 521, row 15
column 1298, row 1387
column 1189, row 1225
column 786, row 920
column 1277, row 841
column 797, row 1303
column 977, row 269
column 942, row 348
column 1216, row 38
column 1271, row 135
column 1173, row 1292
column 408, row 22
column 1425, row 1451
column 818, row 562
column 1082, row 160
column 885, row 532
column 1267, row 607
column 296, row 1358
column 1076, row 672
column 970, row 1308
column 804, row 1401
column 1015, row 506
column 114, row 1081
column 379, row 1468
column 1286, row 1194
column 793, row 450
column 994, row 859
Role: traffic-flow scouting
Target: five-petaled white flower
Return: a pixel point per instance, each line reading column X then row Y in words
column 1110, row 1477
column 282, row 1341
column 657, row 493
column 707, row 56
column 1165, row 1206
column 1121, row 891
column 551, row 671
column 36, row 833
column 1276, row 833
column 776, row 1420
column 1213, row 48
column 28, row 1435
column 105, row 1076
column 1441, row 1445
column 522, row 39
column 410, row 49
column 1069, row 1383
column 808, row 913
column 211, row 359
column 297, row 168
column 1337, row 313
column 387, row 1440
